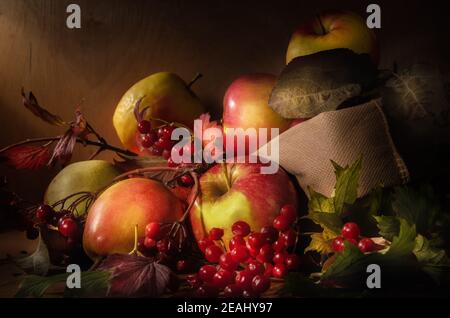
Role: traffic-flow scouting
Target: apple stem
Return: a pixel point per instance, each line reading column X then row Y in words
column 135, row 250
column 225, row 171
column 195, row 79
column 321, row 25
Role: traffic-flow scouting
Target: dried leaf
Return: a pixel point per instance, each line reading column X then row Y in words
column 312, row 84
column 415, row 93
column 26, row 156
column 136, row 275
column 139, row 114
column 79, row 126
column 64, row 148
column 37, row 263
column 32, row 105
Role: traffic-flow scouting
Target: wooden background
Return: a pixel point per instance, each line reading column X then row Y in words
column 123, row 41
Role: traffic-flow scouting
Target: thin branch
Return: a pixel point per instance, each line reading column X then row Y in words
column 97, row 135
column 96, row 153
column 141, row 171
column 194, row 197
column 105, row 145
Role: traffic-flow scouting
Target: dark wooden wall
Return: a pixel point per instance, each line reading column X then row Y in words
column 123, row 41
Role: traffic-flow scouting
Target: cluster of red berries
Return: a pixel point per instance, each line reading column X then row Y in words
column 168, row 251
column 252, row 259
column 159, row 143
column 351, row 233
column 66, row 223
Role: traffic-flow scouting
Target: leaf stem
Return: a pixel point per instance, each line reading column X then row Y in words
column 225, row 171
column 135, row 250
column 322, row 28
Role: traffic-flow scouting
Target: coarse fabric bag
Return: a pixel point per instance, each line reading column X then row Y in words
column 343, row 136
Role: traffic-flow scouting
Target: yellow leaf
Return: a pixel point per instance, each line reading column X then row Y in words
column 329, row 234
column 319, row 244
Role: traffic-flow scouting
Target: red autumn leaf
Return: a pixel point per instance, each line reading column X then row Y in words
column 27, row 157
column 64, row 148
column 134, row 275
column 32, row 105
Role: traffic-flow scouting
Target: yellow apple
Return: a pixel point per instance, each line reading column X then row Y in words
column 167, row 96
column 332, row 30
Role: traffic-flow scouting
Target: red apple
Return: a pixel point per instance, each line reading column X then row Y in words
column 246, row 105
column 112, row 218
column 239, row 192
column 332, row 30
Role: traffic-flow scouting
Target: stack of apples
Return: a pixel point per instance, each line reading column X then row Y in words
column 228, row 193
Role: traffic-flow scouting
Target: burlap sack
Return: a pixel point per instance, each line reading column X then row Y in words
column 343, row 136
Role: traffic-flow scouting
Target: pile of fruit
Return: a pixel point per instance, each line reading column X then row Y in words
column 147, row 226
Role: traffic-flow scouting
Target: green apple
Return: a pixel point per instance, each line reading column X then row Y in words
column 333, row 30
column 91, row 175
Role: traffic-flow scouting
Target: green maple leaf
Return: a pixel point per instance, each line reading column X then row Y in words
column 434, row 261
column 346, row 263
column 320, row 203
column 328, row 221
column 327, row 212
column 388, row 226
column 404, row 242
column 91, row 283
column 419, row 207
column 426, row 253
column 319, row 244
column 431, row 259
column 346, row 189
